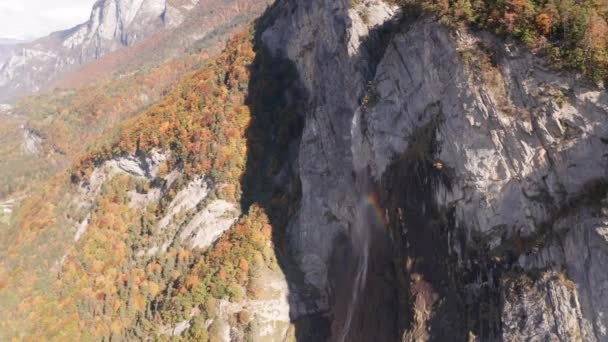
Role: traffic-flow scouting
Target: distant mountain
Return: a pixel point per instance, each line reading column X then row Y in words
column 84, row 100
column 113, row 24
column 7, row 46
column 205, row 28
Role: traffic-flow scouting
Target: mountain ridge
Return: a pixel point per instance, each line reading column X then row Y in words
column 113, row 24
column 87, row 101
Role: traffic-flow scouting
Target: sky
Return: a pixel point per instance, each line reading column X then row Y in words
column 28, row 19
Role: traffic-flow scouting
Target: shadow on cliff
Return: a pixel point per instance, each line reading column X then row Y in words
column 277, row 102
column 416, row 282
column 381, row 309
column 278, row 105
column 412, row 287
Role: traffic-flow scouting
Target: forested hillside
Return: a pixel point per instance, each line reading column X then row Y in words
column 103, row 285
column 50, row 123
column 343, row 170
column 48, row 130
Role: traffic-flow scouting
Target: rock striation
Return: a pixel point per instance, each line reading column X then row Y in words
column 488, row 170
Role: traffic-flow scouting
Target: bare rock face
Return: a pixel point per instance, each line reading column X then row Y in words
column 321, row 40
column 535, row 309
column 485, row 169
column 196, row 219
column 31, row 142
column 118, row 22
column 519, row 148
column 113, row 24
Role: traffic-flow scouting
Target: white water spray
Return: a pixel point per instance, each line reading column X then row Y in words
column 360, row 234
column 360, row 243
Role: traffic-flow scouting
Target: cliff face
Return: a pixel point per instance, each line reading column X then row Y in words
column 120, row 38
column 481, row 171
column 118, row 23
column 349, row 172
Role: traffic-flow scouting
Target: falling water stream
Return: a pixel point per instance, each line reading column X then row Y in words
column 360, row 243
column 365, row 222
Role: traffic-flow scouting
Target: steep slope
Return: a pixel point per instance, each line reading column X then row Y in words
column 480, row 170
column 143, row 253
column 350, row 171
column 40, row 130
column 205, row 28
column 94, row 98
column 113, row 26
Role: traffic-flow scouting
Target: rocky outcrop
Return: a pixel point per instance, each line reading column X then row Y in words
column 116, row 23
column 192, row 217
column 319, row 37
column 331, row 46
column 536, row 309
column 196, row 219
column 482, row 166
column 31, row 142
column 516, row 147
column 209, row 224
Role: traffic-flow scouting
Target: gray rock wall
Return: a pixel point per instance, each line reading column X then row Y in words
column 521, row 145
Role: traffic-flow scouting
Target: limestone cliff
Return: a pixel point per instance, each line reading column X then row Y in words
column 462, row 179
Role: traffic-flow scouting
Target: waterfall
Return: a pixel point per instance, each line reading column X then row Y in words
column 361, row 228
column 360, row 243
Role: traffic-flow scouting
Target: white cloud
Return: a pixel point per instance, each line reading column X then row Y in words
column 26, row 19
column 11, row 6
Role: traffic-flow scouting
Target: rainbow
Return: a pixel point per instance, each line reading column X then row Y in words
column 374, row 203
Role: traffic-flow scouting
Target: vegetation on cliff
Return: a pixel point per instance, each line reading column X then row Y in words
column 571, row 34
column 214, row 123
